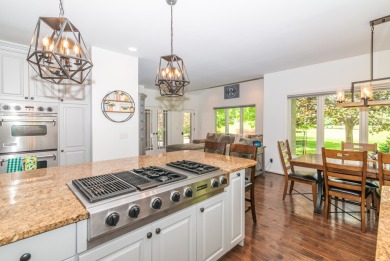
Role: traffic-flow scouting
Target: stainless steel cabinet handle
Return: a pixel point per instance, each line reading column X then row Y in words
column 51, row 121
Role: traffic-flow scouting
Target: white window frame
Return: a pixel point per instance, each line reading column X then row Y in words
column 227, row 117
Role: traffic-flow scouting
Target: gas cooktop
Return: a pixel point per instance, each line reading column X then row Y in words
column 115, row 184
column 192, row 166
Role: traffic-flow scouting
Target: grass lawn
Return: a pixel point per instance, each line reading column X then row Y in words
column 334, row 136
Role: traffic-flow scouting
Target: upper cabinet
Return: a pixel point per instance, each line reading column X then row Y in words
column 13, row 76
column 19, row 81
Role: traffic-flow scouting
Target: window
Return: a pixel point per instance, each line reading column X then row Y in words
column 235, row 120
column 303, row 125
column 317, row 122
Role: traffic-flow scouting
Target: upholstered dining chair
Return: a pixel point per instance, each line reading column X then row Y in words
column 247, row 151
column 345, row 177
column 292, row 175
column 384, row 176
column 215, row 147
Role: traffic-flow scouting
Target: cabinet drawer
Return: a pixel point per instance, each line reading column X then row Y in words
column 58, row 244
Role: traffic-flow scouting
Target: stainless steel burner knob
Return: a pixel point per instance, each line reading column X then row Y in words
column 214, row 183
column 156, row 203
column 6, row 107
column 175, row 196
column 112, row 219
column 40, row 108
column 50, row 109
column 134, row 211
column 17, row 108
column 188, row 192
column 223, row 180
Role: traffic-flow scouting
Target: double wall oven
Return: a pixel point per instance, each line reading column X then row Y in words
column 28, row 130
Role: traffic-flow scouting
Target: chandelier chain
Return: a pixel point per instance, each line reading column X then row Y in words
column 61, row 9
column 171, row 28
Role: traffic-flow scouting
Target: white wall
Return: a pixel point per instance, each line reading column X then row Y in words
column 329, row 76
column 250, row 93
column 113, row 71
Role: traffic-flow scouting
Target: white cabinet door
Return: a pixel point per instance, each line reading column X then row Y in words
column 133, row 246
column 13, row 76
column 54, row 245
column 236, row 214
column 211, row 228
column 74, row 134
column 75, row 93
column 174, row 238
column 40, row 89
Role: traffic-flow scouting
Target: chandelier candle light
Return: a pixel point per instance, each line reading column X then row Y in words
column 57, row 51
column 172, row 76
column 366, row 87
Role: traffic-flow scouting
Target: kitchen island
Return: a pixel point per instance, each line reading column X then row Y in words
column 38, row 201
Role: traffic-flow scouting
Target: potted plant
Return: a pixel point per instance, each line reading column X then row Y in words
column 111, row 106
column 125, row 108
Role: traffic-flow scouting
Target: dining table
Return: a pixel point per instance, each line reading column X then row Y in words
column 314, row 161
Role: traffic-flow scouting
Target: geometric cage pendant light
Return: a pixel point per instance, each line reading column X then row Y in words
column 172, row 75
column 57, row 51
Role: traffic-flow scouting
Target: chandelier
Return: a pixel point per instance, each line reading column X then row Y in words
column 57, row 51
column 366, row 87
column 172, row 76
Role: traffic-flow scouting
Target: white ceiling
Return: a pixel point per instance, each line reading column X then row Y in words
column 221, row 41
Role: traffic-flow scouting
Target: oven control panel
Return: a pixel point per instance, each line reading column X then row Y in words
column 151, row 203
column 27, row 108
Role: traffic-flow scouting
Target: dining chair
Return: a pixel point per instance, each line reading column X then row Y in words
column 384, row 176
column 292, row 175
column 358, row 146
column 345, row 177
column 215, row 147
column 369, row 147
column 247, row 151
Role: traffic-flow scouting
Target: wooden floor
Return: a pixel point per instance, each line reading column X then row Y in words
column 289, row 230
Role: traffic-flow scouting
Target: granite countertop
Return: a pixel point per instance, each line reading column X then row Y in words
column 34, row 202
column 383, row 239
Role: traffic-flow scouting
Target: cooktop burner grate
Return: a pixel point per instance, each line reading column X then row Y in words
column 192, row 166
column 102, row 187
column 138, row 181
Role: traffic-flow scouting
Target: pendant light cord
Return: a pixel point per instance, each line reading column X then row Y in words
column 372, row 53
column 61, row 9
column 171, row 28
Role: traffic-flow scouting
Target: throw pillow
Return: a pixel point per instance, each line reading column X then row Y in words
column 211, row 136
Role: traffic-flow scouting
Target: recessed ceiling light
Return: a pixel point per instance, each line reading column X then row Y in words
column 132, row 49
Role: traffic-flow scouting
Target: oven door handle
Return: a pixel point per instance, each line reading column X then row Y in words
column 48, row 156
column 51, row 121
column 38, row 157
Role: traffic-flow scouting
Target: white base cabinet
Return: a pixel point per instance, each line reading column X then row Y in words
column 133, row 246
column 55, row 245
column 211, row 228
column 171, row 238
column 236, row 209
